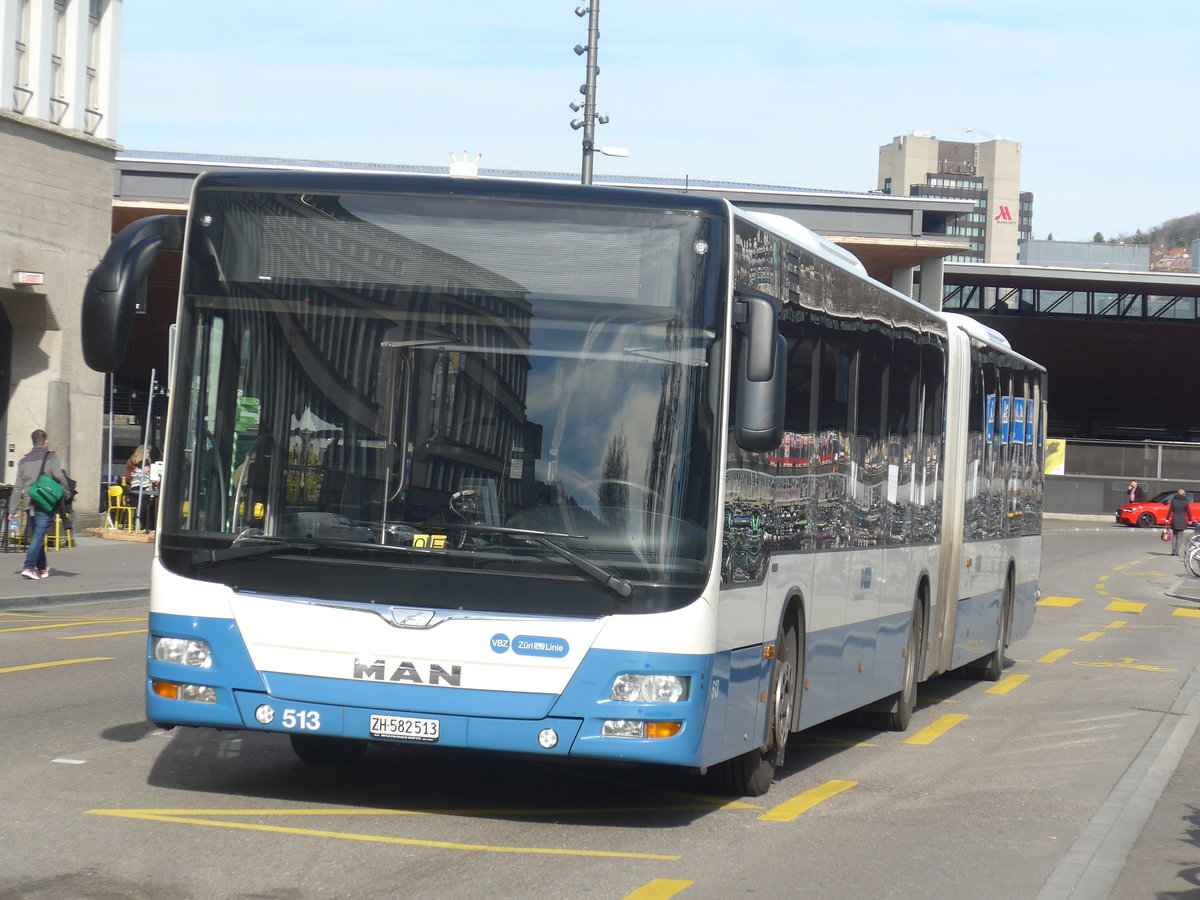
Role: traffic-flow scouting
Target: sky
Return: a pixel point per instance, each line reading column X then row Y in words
column 1101, row 95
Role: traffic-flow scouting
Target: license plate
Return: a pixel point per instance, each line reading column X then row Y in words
column 405, row 728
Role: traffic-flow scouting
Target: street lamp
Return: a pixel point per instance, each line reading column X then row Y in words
column 589, row 118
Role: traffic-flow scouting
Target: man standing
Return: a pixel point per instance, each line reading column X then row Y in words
column 1136, row 494
column 38, row 460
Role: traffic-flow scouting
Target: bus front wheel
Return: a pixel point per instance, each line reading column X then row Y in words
column 751, row 774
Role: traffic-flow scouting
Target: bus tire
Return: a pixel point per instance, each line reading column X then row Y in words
column 751, row 774
column 317, row 748
column 991, row 667
column 898, row 714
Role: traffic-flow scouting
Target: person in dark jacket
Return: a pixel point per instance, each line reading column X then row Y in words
column 1136, row 493
column 1179, row 517
column 38, row 460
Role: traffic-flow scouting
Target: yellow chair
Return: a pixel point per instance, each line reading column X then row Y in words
column 119, row 514
column 61, row 534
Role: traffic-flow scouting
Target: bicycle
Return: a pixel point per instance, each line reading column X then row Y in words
column 1191, row 553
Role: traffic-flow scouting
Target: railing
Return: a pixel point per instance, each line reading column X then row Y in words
column 1140, row 460
column 1042, row 301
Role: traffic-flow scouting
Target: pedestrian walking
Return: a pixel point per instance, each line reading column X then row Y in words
column 41, row 460
column 1179, row 517
column 1136, row 493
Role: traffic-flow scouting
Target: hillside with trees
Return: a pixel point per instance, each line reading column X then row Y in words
column 1169, row 242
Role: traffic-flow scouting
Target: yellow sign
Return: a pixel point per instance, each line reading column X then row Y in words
column 1056, row 456
column 429, row 541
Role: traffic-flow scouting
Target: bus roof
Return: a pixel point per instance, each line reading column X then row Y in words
column 403, row 183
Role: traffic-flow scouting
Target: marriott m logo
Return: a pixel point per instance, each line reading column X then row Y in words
column 1003, row 216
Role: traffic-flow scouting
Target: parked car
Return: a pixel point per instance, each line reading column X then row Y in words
column 1147, row 513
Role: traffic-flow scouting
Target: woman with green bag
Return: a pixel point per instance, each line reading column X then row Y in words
column 38, row 462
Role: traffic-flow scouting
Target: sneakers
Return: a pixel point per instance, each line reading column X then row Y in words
column 44, row 573
column 30, row 573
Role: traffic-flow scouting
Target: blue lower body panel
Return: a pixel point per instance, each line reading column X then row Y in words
column 492, row 720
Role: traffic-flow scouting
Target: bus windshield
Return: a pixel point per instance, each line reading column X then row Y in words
column 388, row 398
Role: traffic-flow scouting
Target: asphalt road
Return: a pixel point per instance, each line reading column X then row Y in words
column 1071, row 777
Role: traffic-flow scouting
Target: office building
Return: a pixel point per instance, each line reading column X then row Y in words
column 58, row 88
column 987, row 172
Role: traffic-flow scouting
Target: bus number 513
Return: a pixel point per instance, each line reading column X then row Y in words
column 301, row 720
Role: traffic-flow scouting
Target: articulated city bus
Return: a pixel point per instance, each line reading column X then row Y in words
column 563, row 470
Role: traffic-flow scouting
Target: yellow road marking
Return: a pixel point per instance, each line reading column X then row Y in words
column 1059, row 601
column 1125, row 606
column 61, row 662
column 1116, row 623
column 1193, row 613
column 1007, row 684
column 1054, row 656
column 931, row 733
column 167, row 816
column 41, row 617
column 80, row 637
column 659, row 889
column 73, row 624
column 1104, row 578
column 448, row 811
column 790, row 810
column 1127, row 662
column 1092, row 635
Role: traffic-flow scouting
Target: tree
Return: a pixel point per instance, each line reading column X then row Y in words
column 1097, row 238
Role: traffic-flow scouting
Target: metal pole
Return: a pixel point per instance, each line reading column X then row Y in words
column 108, row 473
column 146, row 444
column 589, row 96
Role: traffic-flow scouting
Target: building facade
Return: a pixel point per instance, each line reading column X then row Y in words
column 58, row 74
column 1085, row 255
column 985, row 172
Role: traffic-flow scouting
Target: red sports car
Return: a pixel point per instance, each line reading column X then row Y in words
column 1154, row 512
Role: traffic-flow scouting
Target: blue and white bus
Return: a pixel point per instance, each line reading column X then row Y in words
column 563, row 470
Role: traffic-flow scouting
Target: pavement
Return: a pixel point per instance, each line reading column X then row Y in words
column 95, row 568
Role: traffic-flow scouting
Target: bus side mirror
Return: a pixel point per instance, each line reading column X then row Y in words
column 112, row 291
column 761, row 378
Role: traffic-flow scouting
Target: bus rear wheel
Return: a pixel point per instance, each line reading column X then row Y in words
column 904, row 702
column 315, row 748
column 991, row 667
column 751, row 774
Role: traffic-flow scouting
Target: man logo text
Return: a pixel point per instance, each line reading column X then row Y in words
column 382, row 670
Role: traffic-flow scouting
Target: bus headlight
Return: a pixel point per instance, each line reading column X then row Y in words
column 631, row 728
column 193, row 693
column 182, row 651
column 650, row 688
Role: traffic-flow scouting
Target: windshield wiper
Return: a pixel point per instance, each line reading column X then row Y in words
column 686, row 356
column 241, row 548
column 620, row 586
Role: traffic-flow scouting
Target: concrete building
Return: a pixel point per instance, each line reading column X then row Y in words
column 58, row 86
column 1085, row 255
column 986, row 172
